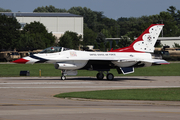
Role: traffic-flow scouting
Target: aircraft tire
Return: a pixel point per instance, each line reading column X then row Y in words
column 100, row 76
column 110, row 76
column 63, row 77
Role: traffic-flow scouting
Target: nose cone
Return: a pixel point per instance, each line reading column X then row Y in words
column 21, row 61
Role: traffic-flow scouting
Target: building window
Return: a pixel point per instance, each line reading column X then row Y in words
column 22, row 25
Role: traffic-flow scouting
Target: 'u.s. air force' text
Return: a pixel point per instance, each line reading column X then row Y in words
column 97, row 54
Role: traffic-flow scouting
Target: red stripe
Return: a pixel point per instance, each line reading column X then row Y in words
column 21, row 60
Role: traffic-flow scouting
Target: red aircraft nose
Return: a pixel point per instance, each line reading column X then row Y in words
column 21, row 60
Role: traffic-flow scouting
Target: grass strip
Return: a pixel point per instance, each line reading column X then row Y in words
column 156, row 94
column 13, row 70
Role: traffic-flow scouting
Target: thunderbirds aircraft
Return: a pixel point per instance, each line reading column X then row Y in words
column 138, row 54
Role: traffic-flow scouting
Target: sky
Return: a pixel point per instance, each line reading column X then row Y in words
column 111, row 8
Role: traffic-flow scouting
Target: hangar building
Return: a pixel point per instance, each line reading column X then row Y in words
column 57, row 23
column 169, row 41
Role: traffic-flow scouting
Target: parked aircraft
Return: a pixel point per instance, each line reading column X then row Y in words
column 138, row 54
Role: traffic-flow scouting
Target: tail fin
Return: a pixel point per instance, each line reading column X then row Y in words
column 145, row 42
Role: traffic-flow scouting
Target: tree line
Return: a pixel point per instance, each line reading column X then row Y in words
column 32, row 36
column 97, row 27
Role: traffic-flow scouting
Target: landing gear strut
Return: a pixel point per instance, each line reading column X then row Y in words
column 109, row 76
column 63, row 77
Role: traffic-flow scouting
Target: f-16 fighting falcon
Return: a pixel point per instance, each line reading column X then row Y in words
column 138, row 54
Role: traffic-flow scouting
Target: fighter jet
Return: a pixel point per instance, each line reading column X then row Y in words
column 138, row 54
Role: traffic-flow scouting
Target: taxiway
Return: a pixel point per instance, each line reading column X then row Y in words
column 26, row 98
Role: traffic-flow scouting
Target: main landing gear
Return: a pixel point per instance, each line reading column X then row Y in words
column 100, row 75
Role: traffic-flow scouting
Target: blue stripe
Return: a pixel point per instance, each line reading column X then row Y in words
column 41, row 60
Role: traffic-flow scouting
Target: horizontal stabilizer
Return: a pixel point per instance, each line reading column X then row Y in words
column 127, row 70
column 156, row 61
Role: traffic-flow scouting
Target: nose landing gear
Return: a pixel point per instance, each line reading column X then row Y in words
column 63, row 77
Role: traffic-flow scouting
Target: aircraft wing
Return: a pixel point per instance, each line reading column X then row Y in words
column 128, row 60
column 114, row 59
column 155, row 61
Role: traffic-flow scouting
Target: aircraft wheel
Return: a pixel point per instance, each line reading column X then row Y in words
column 110, row 76
column 63, row 77
column 100, row 76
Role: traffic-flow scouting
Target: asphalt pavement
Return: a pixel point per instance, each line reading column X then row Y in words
column 27, row 98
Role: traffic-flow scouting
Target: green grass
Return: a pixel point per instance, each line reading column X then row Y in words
column 173, row 69
column 163, row 94
column 12, row 70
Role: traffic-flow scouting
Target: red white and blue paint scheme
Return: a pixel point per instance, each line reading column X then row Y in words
column 138, row 54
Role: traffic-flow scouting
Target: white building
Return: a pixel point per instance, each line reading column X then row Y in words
column 169, row 41
column 57, row 23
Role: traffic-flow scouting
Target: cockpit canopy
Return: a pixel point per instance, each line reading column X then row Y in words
column 54, row 49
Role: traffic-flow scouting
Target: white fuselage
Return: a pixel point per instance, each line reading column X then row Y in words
column 73, row 59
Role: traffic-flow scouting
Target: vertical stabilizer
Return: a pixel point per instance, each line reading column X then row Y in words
column 145, row 42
